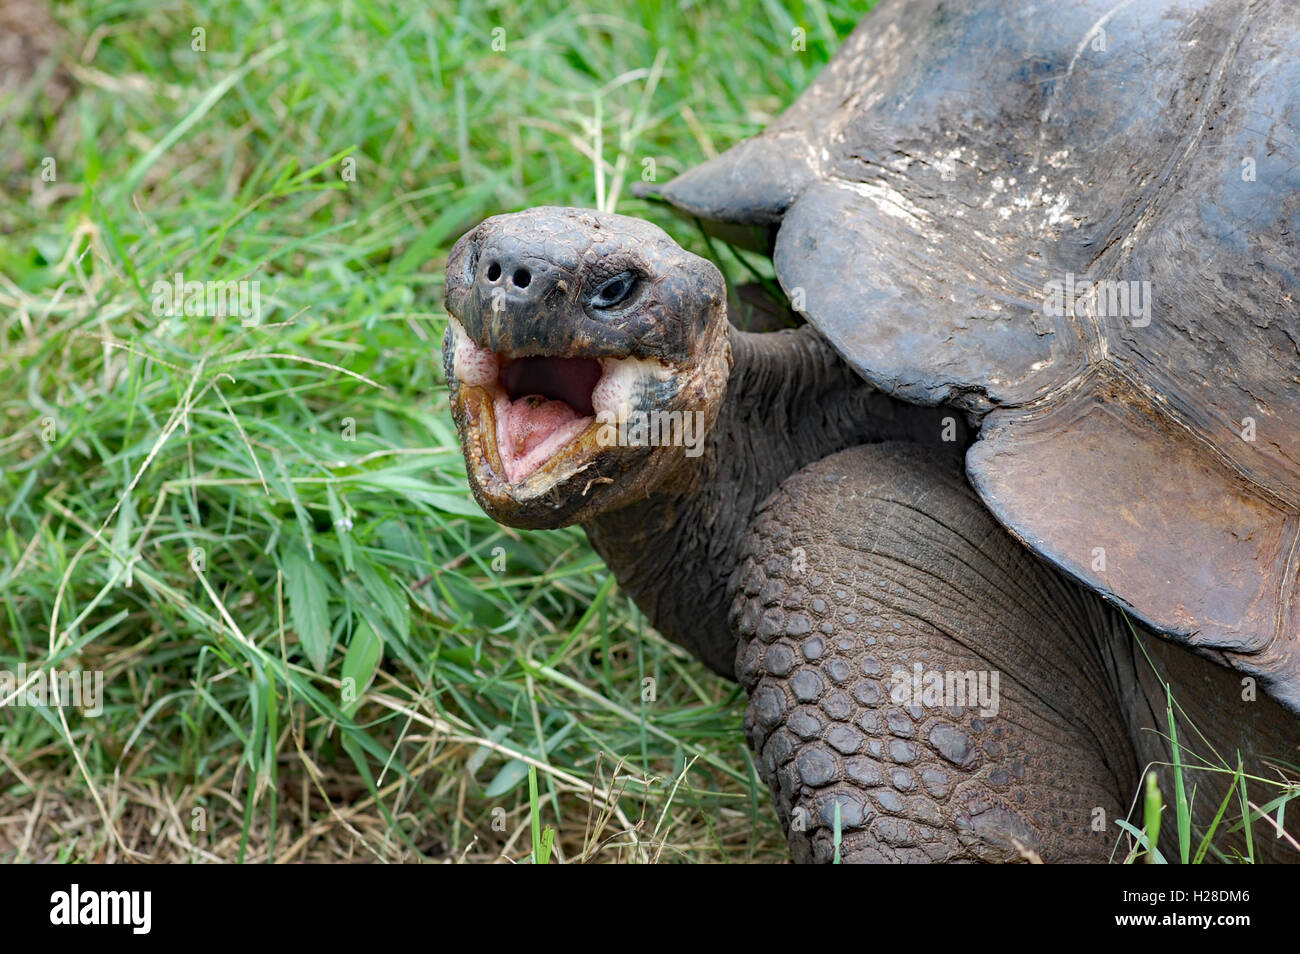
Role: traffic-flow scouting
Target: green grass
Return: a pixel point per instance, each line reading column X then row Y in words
column 314, row 644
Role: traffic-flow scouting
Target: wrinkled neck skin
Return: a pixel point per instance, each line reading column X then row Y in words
column 790, row 401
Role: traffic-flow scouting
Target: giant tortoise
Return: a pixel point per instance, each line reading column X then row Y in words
column 1026, row 479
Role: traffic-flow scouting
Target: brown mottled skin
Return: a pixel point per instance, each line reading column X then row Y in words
column 827, row 536
column 790, row 402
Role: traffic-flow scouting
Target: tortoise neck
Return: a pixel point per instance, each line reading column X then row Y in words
column 790, row 400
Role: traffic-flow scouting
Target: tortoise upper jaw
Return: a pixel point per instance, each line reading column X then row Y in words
column 522, row 284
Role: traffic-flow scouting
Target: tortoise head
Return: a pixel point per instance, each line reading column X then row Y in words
column 586, row 354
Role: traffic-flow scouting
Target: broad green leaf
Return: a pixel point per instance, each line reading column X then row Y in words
column 506, row 780
column 359, row 665
column 307, row 588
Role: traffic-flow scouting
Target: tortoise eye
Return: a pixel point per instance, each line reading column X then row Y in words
column 614, row 291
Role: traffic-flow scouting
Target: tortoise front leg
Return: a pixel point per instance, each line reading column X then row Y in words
column 878, row 565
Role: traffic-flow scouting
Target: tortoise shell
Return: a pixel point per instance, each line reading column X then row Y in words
column 1077, row 222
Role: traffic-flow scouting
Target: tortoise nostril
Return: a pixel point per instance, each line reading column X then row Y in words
column 521, row 277
column 493, row 272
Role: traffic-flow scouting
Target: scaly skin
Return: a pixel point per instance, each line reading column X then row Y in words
column 902, row 565
column 820, row 720
column 790, row 401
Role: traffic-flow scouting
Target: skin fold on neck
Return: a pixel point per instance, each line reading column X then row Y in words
column 790, row 400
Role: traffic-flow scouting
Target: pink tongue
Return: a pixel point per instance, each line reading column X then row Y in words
column 532, row 419
column 531, row 429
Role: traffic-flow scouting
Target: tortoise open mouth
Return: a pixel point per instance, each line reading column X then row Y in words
column 541, row 404
column 533, row 420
